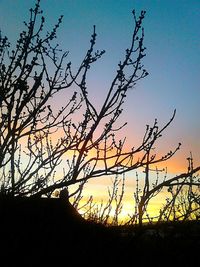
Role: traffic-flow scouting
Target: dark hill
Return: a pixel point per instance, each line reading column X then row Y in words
column 50, row 232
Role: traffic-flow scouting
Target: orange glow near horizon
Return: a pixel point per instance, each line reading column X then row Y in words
column 99, row 187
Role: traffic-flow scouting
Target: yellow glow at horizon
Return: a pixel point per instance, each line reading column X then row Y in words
column 98, row 187
column 100, row 195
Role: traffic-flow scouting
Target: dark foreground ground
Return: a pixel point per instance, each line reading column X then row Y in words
column 47, row 232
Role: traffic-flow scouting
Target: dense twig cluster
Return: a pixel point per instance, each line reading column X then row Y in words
column 30, row 157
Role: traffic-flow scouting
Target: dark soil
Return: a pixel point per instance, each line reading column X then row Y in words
column 49, row 232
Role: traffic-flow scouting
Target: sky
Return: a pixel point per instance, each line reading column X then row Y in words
column 172, row 39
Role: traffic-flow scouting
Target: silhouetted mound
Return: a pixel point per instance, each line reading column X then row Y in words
column 50, row 232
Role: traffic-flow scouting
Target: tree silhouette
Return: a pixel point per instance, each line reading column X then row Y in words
column 32, row 74
column 184, row 185
column 30, row 157
column 182, row 203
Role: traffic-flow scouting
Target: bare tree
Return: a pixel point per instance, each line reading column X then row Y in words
column 32, row 74
column 183, row 188
column 183, row 204
column 30, row 157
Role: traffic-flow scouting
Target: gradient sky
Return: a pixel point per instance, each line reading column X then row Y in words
column 172, row 38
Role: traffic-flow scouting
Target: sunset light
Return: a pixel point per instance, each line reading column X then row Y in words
column 130, row 110
column 99, row 132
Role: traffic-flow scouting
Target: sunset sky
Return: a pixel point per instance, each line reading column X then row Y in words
column 172, row 38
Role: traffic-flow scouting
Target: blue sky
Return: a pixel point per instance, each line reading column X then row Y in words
column 172, row 38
